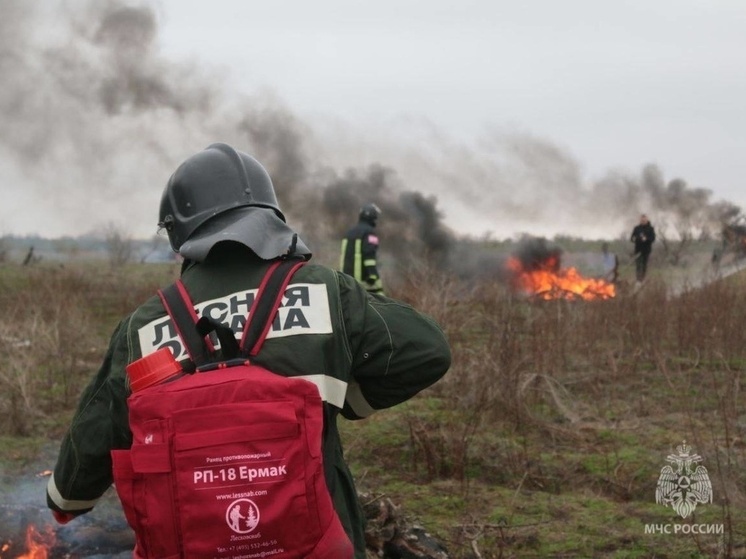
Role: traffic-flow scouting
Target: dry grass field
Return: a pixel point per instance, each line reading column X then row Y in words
column 545, row 439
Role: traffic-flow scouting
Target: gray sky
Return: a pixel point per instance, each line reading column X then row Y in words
column 510, row 113
column 615, row 83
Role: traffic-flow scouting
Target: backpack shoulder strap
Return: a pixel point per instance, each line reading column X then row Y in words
column 266, row 303
column 180, row 308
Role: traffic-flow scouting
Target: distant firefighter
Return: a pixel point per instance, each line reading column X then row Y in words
column 643, row 235
column 360, row 248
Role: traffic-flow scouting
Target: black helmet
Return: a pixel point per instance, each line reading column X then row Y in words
column 223, row 194
column 369, row 213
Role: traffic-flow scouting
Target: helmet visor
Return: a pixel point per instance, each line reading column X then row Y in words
column 260, row 229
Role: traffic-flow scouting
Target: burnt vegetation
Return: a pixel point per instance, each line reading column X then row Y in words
column 545, row 439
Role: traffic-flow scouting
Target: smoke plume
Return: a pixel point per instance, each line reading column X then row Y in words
column 96, row 118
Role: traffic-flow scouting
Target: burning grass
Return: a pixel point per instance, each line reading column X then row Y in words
column 546, row 280
column 545, row 439
column 37, row 543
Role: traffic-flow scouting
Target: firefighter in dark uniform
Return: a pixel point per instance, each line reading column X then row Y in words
column 360, row 248
column 643, row 235
column 364, row 353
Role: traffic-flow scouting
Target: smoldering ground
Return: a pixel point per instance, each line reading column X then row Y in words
column 23, row 505
column 96, row 118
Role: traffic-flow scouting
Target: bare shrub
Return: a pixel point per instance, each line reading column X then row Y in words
column 119, row 246
column 435, row 292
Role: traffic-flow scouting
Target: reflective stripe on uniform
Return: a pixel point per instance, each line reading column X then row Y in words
column 67, row 504
column 343, row 255
column 357, row 401
column 331, row 389
column 369, row 262
column 358, row 268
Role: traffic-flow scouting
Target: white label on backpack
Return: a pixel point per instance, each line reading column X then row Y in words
column 304, row 310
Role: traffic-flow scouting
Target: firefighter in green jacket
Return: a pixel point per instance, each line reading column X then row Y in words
column 360, row 248
column 364, row 353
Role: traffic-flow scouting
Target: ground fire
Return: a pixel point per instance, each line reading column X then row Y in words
column 38, row 544
column 535, row 270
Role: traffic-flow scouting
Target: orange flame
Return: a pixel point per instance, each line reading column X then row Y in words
column 548, row 282
column 38, row 544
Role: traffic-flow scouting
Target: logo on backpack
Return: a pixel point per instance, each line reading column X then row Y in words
column 242, row 516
